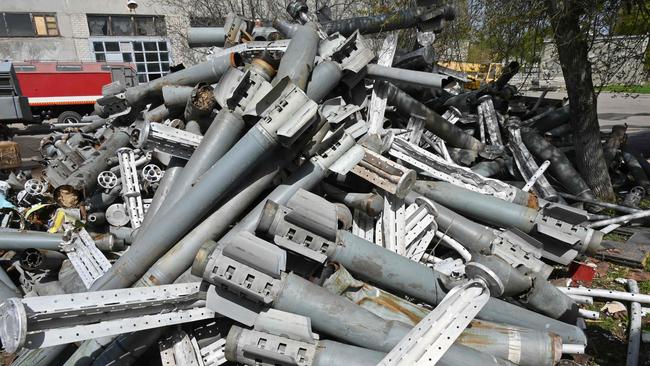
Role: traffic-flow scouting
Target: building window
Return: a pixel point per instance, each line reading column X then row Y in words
column 126, row 25
column 150, row 56
column 45, row 25
column 28, row 25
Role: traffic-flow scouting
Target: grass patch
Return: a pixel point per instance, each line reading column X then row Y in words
column 614, row 236
column 644, row 204
column 644, row 287
column 635, row 89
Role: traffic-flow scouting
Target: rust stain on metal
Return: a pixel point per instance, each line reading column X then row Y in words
column 388, row 302
column 533, row 202
column 470, row 339
column 154, row 280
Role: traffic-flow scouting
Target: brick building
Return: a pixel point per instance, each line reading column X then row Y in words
column 92, row 30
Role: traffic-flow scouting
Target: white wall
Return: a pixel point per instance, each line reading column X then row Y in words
column 73, row 44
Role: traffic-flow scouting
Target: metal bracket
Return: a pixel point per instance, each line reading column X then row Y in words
column 436, row 167
column 162, row 138
column 489, row 117
column 214, row 353
column 131, row 186
column 253, row 47
column 89, row 262
column 353, row 54
column 428, row 341
column 45, row 321
column 240, row 91
column 527, row 165
column 378, row 101
column 538, row 174
column 363, row 225
column 241, row 279
column 277, row 337
column 385, row 173
column 286, row 111
column 416, row 128
column 421, row 228
column 182, row 349
column 519, row 249
column 179, row 350
column 391, row 226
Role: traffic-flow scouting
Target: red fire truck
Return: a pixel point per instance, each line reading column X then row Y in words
column 68, row 90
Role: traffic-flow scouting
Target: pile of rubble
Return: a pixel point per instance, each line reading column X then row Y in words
column 292, row 202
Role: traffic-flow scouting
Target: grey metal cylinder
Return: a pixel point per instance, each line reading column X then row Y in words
column 179, row 258
column 7, row 288
column 470, row 234
column 514, row 282
column 485, row 208
column 172, row 173
column 193, row 127
column 298, row 60
column 371, row 204
column 549, row 300
column 208, row 72
column 327, row 352
column 85, row 178
column 345, row 320
column 561, row 167
column 206, row 37
column 175, row 96
column 490, row 168
column 200, row 103
column 397, row 75
column 306, row 177
column 388, row 269
column 433, row 122
column 637, row 171
column 137, row 343
column 549, row 120
column 158, row 114
column 39, row 259
column 324, row 79
column 94, row 125
column 222, row 134
column 499, row 311
column 385, row 22
column 518, row 345
column 25, row 239
column 334, row 353
column 173, row 224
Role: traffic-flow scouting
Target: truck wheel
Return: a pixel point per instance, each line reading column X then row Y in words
column 69, row 117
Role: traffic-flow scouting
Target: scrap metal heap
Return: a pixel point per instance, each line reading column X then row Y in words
column 284, row 202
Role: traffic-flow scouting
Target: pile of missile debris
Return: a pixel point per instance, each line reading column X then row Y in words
column 308, row 201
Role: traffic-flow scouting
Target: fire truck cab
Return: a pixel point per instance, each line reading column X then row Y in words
column 68, row 90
